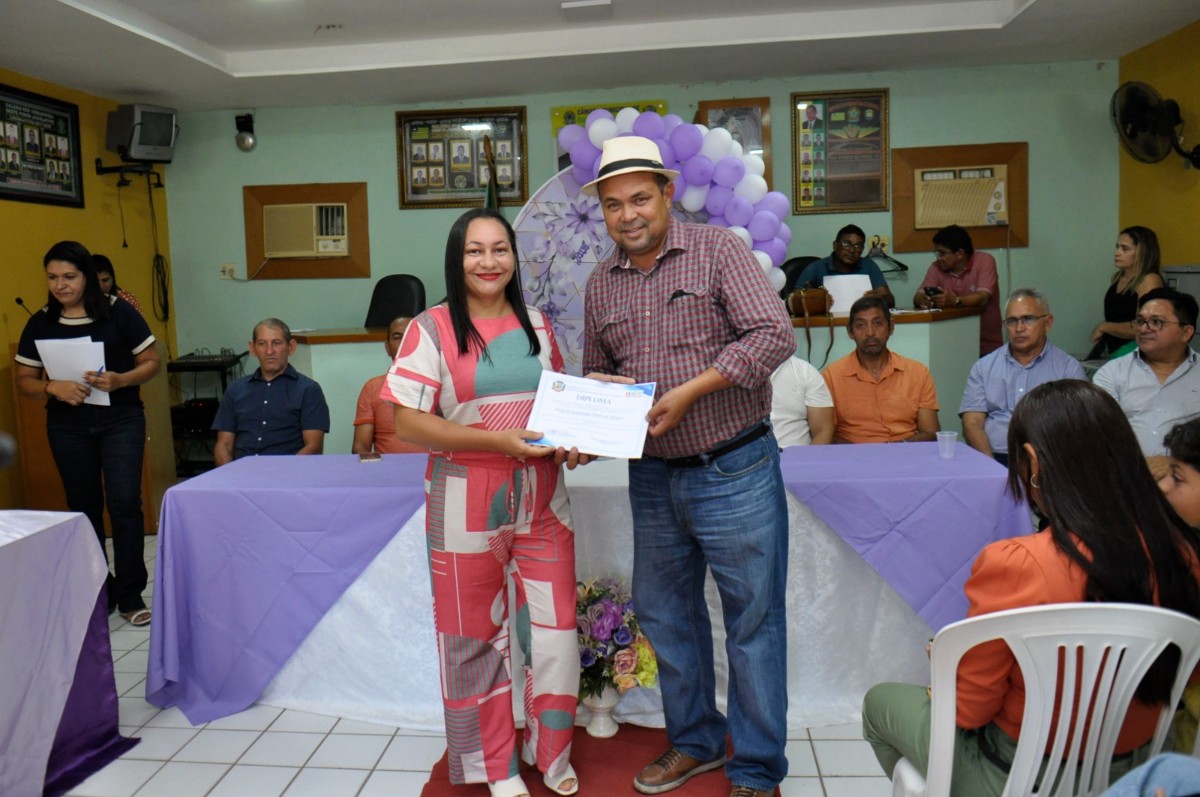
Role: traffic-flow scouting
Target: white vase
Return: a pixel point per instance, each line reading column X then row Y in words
column 601, row 706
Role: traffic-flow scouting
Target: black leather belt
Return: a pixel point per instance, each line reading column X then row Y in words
column 699, row 460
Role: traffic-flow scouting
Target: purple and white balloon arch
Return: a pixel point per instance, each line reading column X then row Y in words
column 561, row 232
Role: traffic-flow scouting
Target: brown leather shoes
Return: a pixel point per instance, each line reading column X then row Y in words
column 746, row 791
column 670, row 771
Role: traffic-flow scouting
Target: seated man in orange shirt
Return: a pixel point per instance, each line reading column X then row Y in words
column 374, row 420
column 879, row 396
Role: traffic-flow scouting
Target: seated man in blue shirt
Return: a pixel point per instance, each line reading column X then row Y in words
column 847, row 259
column 275, row 410
column 1000, row 379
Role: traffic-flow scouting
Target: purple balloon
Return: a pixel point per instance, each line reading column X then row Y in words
column 649, row 125
column 681, row 185
column 775, row 203
column 599, row 113
column 582, row 176
column 698, row 170
column 570, row 135
column 666, row 152
column 729, row 171
column 775, row 249
column 763, row 226
column 718, row 197
column 784, row 233
column 583, row 154
column 686, row 140
column 717, row 221
column 670, row 122
column 739, row 211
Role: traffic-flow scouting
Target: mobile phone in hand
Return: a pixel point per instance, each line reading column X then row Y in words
column 932, row 290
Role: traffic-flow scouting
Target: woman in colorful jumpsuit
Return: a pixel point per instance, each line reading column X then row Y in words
column 464, row 382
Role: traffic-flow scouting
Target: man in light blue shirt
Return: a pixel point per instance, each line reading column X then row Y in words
column 1158, row 386
column 1000, row 379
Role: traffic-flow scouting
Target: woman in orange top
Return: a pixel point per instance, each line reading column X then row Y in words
column 1112, row 537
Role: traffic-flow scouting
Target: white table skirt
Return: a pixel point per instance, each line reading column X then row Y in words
column 373, row 656
column 51, row 571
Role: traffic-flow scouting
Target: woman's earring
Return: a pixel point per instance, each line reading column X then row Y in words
column 1033, row 482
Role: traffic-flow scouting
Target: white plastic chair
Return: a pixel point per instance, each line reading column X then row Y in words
column 1105, row 650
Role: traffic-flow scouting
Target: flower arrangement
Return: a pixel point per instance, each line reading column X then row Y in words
column 612, row 649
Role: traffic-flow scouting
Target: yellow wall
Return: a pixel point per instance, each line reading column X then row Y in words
column 29, row 229
column 1165, row 196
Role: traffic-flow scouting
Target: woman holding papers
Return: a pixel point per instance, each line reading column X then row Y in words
column 1112, row 538
column 464, row 382
column 97, row 440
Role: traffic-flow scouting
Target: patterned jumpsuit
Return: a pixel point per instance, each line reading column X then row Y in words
column 488, row 515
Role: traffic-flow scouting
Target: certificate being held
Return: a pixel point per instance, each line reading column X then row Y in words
column 604, row 419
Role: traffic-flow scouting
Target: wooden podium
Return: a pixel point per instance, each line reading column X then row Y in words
column 43, row 487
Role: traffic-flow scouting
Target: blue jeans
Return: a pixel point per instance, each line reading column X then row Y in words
column 98, row 451
column 731, row 517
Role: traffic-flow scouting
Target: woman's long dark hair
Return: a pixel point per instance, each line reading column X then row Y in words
column 456, row 286
column 1094, row 484
column 95, row 303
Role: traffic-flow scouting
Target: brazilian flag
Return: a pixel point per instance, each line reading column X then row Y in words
column 491, row 197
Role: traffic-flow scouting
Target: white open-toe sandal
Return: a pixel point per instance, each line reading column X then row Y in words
column 567, row 776
column 509, row 787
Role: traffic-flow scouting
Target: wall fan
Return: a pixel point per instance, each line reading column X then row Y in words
column 1146, row 124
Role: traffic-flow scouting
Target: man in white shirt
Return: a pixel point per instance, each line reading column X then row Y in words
column 801, row 407
column 1158, row 386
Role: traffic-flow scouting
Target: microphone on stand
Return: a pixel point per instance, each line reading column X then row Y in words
column 21, row 302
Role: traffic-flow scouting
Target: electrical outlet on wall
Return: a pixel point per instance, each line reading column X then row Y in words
column 227, row 271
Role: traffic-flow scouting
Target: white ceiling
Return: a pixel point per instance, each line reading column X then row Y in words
column 245, row 54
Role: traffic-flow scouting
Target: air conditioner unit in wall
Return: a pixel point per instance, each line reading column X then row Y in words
column 305, row 230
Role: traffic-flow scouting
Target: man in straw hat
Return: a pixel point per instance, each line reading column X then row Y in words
column 687, row 306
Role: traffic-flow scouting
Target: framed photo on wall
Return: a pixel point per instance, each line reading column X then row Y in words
column 441, row 162
column 748, row 120
column 840, row 151
column 39, row 149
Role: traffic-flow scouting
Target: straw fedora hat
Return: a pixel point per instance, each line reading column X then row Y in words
column 625, row 154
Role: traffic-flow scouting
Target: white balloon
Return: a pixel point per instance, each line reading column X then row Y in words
column 736, row 150
column 764, row 260
column 600, row 131
column 625, row 119
column 703, row 130
column 752, row 187
column 744, row 234
column 717, row 143
column 693, row 198
column 777, row 278
column 754, row 165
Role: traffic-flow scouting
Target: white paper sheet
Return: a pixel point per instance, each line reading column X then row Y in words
column 846, row 289
column 66, row 361
column 601, row 418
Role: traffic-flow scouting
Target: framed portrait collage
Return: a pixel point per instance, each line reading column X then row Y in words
column 39, row 149
column 840, row 151
column 442, row 161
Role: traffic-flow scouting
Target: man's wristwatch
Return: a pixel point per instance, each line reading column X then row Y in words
column 958, row 301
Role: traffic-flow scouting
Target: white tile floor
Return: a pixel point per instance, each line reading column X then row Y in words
column 267, row 752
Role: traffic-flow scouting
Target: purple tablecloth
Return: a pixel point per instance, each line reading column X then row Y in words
column 250, row 557
column 58, row 703
column 919, row 520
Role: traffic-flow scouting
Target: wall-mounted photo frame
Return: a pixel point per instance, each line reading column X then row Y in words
column 840, row 151
column 748, row 120
column 440, row 156
column 39, row 149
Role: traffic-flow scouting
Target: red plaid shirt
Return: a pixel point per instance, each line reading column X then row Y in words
column 704, row 304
